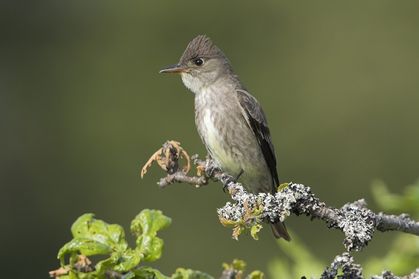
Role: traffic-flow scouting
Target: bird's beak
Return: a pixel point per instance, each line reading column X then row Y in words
column 177, row 68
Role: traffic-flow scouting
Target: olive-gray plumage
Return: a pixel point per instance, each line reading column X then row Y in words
column 230, row 121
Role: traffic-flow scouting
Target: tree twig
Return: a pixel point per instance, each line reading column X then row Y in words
column 247, row 211
column 181, row 177
column 350, row 270
column 355, row 220
column 345, row 262
column 390, row 275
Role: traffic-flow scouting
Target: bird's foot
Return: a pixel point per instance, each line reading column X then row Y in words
column 227, row 180
column 211, row 167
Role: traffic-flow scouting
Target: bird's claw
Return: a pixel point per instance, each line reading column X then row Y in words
column 226, row 180
column 211, row 168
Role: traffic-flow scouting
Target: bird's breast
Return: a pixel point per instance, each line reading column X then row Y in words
column 223, row 129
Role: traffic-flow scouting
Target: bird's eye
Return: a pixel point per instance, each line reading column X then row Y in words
column 198, row 61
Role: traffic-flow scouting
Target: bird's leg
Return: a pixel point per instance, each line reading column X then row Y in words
column 238, row 176
column 227, row 179
column 211, row 167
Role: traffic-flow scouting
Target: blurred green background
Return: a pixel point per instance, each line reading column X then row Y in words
column 83, row 107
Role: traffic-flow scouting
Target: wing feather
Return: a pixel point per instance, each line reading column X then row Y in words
column 256, row 119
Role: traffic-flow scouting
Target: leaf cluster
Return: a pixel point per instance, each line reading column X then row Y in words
column 95, row 238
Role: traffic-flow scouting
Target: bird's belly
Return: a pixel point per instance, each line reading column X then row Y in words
column 232, row 144
column 218, row 144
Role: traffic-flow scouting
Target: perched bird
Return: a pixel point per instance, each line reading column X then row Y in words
column 230, row 121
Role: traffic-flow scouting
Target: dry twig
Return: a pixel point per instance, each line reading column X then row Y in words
column 167, row 157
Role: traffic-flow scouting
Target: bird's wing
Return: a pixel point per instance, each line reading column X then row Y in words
column 255, row 118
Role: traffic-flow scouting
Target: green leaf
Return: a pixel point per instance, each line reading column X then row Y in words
column 85, row 246
column 254, row 231
column 87, row 226
column 182, row 273
column 79, row 275
column 149, row 222
column 145, row 226
column 255, row 275
column 94, row 237
column 237, row 264
column 145, row 273
column 282, row 186
column 106, row 264
column 128, row 260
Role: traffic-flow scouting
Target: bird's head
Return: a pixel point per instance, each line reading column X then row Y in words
column 201, row 64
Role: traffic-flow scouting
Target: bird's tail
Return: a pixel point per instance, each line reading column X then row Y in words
column 280, row 231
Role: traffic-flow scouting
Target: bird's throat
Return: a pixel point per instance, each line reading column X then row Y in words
column 193, row 83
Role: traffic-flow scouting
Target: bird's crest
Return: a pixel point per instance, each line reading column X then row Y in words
column 200, row 46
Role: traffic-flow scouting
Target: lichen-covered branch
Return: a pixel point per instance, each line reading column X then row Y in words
column 390, row 275
column 248, row 211
column 356, row 222
column 346, row 264
column 344, row 267
column 401, row 223
column 181, row 177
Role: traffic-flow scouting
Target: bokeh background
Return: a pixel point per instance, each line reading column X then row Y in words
column 83, row 107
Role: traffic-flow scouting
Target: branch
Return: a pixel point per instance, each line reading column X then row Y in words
column 247, row 210
column 181, row 177
column 401, row 223
column 345, row 262
column 357, row 222
column 390, row 275
column 349, row 269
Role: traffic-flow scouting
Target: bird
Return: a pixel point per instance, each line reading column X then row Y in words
column 230, row 121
